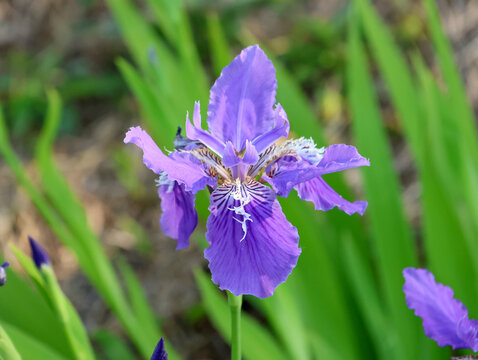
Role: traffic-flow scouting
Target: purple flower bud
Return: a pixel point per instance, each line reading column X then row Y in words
column 160, row 352
column 3, row 273
column 39, row 255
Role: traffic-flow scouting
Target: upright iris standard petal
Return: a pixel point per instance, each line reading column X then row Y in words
column 325, row 198
column 242, row 99
column 160, row 351
column 253, row 248
column 181, row 167
column 3, row 273
column 39, row 255
column 445, row 319
column 179, row 217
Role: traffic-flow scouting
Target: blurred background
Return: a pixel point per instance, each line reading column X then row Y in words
column 112, row 62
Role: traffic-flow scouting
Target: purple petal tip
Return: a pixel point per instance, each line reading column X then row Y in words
column 160, row 351
column 39, row 255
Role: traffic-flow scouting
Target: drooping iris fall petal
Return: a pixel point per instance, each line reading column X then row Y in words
column 253, row 248
column 179, row 217
column 325, row 198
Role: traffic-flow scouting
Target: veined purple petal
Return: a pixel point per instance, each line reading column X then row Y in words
column 253, row 248
column 445, row 319
column 341, row 157
column 281, row 129
column 325, row 198
column 195, row 132
column 179, row 217
column 180, row 166
column 160, row 351
column 242, row 98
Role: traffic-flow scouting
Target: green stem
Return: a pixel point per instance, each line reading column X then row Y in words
column 235, row 303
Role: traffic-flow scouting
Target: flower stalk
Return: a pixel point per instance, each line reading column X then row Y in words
column 235, row 304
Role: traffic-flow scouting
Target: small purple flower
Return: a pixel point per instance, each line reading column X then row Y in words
column 160, row 352
column 445, row 319
column 3, row 273
column 253, row 248
column 39, row 255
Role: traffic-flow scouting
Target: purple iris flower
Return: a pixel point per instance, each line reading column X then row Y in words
column 253, row 248
column 3, row 273
column 160, row 351
column 445, row 319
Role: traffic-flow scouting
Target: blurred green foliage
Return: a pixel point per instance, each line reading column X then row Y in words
column 344, row 300
column 25, row 78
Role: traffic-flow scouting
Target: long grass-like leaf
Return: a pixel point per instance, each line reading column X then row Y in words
column 391, row 232
column 30, row 347
column 7, row 349
column 446, row 246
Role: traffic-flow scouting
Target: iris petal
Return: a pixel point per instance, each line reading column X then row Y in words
column 242, row 98
column 445, row 319
column 179, row 166
column 267, row 253
column 281, row 129
column 288, row 172
column 160, row 351
column 179, row 217
column 195, row 132
column 307, row 165
column 341, row 157
column 325, row 198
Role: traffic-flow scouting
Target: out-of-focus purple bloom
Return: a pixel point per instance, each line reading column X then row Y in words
column 3, row 273
column 253, row 248
column 160, row 352
column 445, row 319
column 39, row 255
